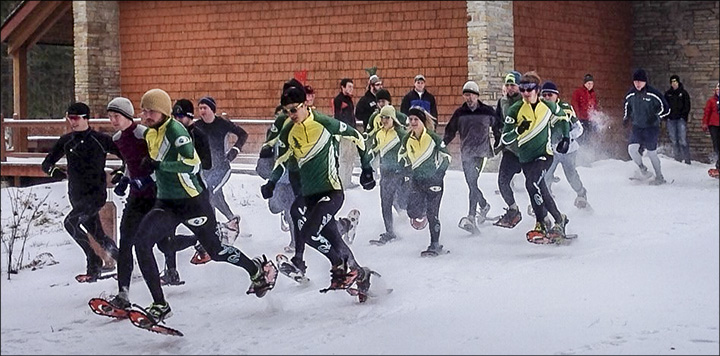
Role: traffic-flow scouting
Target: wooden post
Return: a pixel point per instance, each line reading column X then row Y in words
column 3, row 154
column 20, row 90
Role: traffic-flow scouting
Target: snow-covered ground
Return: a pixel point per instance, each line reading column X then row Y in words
column 642, row 278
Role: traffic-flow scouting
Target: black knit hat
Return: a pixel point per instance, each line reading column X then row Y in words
column 184, row 107
column 293, row 95
column 383, row 94
column 675, row 77
column 419, row 112
column 640, row 75
column 79, row 109
column 209, row 101
column 588, row 78
column 549, row 87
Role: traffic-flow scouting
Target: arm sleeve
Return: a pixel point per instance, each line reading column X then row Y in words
column 707, row 112
column 56, row 152
column 451, row 129
column 433, row 106
column 686, row 106
column 405, row 104
column 241, row 134
column 188, row 162
column 337, row 107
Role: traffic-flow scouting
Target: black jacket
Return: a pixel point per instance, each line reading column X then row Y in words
column 412, row 98
column 365, row 107
column 474, row 128
column 202, row 146
column 344, row 109
column 645, row 108
column 679, row 102
column 86, row 153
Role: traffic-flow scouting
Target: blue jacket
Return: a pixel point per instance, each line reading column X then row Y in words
column 645, row 108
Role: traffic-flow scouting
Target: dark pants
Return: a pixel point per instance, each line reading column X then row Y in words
column 133, row 213
column 199, row 216
column 314, row 223
column 540, row 197
column 715, row 135
column 392, row 190
column 424, row 200
column 472, row 168
column 86, row 213
column 509, row 167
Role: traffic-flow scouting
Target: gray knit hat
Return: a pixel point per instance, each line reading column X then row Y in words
column 122, row 106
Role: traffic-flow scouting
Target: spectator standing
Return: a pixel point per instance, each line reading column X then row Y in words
column 711, row 122
column 419, row 96
column 679, row 101
column 344, row 111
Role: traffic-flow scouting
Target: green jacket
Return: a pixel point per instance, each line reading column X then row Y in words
column 176, row 177
column 535, row 141
column 313, row 146
column 427, row 156
column 386, row 145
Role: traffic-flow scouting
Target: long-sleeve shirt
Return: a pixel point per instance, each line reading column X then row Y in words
column 86, row 153
column 216, row 133
column 474, row 127
column 132, row 145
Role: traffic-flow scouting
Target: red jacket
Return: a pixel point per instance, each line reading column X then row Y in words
column 711, row 116
column 583, row 101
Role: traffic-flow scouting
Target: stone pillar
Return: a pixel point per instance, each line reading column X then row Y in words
column 97, row 53
column 491, row 46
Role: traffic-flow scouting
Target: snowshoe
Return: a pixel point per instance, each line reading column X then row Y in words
column 385, row 237
column 288, row 269
column 264, row 279
column 93, row 277
column 538, row 235
column 530, row 210
column 101, row 306
column 658, row 181
column 289, row 249
column 482, row 214
column 434, row 250
column 230, row 230
column 341, row 277
column 510, row 219
column 354, row 219
column 170, row 277
column 150, row 319
column 467, row 223
column 581, row 201
column 713, row 172
column 201, row 256
column 419, row 223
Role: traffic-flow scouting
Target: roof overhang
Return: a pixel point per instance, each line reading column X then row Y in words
column 42, row 22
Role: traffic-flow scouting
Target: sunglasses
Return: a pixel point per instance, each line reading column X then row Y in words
column 292, row 110
column 527, row 87
column 385, row 117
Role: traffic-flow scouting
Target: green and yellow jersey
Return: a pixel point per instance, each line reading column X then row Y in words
column 425, row 155
column 535, row 141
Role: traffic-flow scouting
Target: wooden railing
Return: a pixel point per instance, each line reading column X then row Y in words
column 30, row 139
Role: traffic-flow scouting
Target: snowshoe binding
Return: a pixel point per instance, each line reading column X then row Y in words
column 170, row 277
column 538, row 235
column 150, row 318
column 341, row 277
column 201, row 256
column 264, row 280
column 467, row 223
column 230, row 230
column 353, row 220
column 510, row 219
column 434, row 250
column 385, row 237
column 713, row 172
column 116, row 307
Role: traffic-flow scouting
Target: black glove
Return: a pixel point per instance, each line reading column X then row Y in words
column 58, row 173
column 142, row 183
column 266, row 152
column 523, row 127
column 121, row 186
column 366, row 179
column 116, row 175
column 230, row 155
column 149, row 163
column 267, row 189
column 563, row 145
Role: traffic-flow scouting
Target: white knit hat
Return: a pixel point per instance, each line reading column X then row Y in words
column 471, row 87
column 122, row 106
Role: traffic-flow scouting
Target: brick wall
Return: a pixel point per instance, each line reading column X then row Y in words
column 673, row 37
column 564, row 40
column 241, row 52
column 97, row 53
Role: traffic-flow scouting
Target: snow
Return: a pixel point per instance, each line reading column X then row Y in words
column 642, row 278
